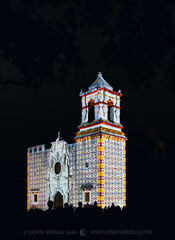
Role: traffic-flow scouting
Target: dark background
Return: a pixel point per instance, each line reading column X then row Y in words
column 49, row 50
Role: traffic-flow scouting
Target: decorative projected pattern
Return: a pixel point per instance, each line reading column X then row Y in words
column 100, row 170
column 72, row 164
column 37, row 168
column 113, row 171
column 84, row 166
column 124, row 173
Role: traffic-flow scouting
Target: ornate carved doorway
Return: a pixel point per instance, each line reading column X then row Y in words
column 58, row 201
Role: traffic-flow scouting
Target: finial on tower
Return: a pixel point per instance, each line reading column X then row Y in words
column 99, row 74
column 58, row 135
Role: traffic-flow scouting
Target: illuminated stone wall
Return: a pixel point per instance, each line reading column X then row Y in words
column 37, row 168
column 83, row 157
column 113, row 170
column 42, row 179
column 98, row 161
column 105, row 155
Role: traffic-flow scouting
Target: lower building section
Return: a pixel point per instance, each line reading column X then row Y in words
column 93, row 169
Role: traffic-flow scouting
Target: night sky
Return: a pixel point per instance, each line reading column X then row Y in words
column 49, row 50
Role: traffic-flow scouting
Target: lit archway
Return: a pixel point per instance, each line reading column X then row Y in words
column 58, row 201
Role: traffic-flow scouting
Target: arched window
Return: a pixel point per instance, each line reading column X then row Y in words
column 109, row 113
column 91, row 115
column 57, row 168
column 110, row 105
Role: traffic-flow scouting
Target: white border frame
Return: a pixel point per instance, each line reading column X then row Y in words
column 33, row 202
column 89, row 197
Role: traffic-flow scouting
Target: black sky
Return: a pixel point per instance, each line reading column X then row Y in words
column 49, row 50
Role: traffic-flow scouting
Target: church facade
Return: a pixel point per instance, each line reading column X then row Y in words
column 91, row 169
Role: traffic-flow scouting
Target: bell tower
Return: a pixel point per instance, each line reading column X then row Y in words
column 100, row 106
column 99, row 172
